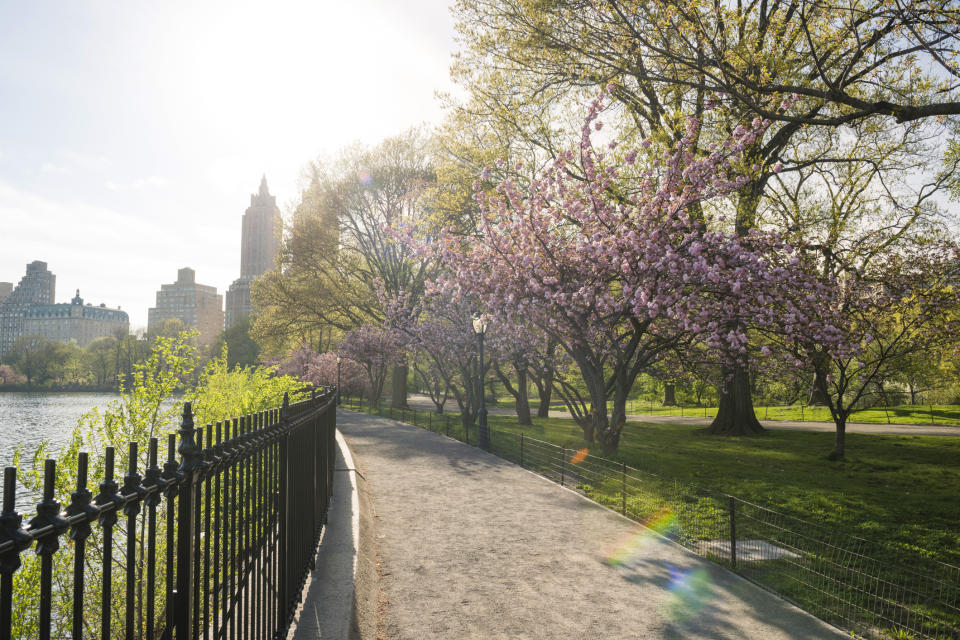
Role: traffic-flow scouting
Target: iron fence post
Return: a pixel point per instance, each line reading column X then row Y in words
column 284, row 498
column 733, row 533
column 521, row 449
column 186, row 525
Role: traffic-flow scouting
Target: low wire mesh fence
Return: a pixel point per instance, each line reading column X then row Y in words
column 875, row 590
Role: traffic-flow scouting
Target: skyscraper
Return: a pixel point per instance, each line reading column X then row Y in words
column 37, row 286
column 196, row 305
column 259, row 244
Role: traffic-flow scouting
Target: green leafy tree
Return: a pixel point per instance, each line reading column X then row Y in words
column 341, row 254
column 242, row 349
column 99, row 359
column 37, row 358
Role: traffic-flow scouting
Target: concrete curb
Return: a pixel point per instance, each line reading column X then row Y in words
column 328, row 606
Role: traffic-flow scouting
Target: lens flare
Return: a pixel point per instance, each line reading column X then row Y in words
column 663, row 522
column 364, row 177
column 579, row 456
column 690, row 591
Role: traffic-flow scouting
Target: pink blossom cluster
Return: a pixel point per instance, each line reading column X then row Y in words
column 323, row 372
column 595, row 265
column 374, row 346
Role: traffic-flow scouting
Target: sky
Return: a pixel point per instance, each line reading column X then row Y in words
column 132, row 134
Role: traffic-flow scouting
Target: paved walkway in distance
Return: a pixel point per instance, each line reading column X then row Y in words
column 473, row 546
column 422, row 402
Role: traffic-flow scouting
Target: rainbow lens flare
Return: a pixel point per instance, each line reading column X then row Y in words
column 364, row 177
column 690, row 591
column 663, row 522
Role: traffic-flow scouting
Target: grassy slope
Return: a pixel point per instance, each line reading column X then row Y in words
column 897, row 488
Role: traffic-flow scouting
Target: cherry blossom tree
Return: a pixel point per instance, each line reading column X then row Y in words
column 619, row 278
column 322, row 371
column 375, row 349
column 441, row 337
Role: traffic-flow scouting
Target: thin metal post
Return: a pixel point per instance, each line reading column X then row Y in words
column 623, row 489
column 484, row 432
column 521, row 448
column 733, row 533
column 563, row 464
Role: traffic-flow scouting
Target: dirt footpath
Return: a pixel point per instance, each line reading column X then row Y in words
column 472, row 546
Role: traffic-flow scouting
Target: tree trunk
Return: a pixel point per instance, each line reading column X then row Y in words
column 839, row 444
column 609, row 435
column 817, row 396
column 398, row 387
column 523, row 403
column 544, row 391
column 669, row 394
column 735, row 416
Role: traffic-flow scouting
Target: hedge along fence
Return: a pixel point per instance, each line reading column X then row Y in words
column 873, row 589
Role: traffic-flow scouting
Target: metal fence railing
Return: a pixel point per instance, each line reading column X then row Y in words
column 872, row 589
column 217, row 544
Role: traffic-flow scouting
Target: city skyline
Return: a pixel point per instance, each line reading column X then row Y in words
column 130, row 149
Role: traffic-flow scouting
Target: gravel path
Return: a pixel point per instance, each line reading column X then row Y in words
column 473, row 546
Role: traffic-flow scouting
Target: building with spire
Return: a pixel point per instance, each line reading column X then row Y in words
column 29, row 309
column 196, row 305
column 259, row 244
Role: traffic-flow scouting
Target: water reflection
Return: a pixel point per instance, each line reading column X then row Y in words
column 27, row 419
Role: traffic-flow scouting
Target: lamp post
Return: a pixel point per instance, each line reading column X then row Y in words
column 480, row 328
column 338, row 379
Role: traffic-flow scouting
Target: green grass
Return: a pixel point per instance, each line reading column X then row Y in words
column 938, row 414
column 894, row 488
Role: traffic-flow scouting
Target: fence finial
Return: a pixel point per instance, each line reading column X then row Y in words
column 190, row 452
column 285, row 407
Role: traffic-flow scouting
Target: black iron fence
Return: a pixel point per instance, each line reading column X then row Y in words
column 215, row 544
column 876, row 590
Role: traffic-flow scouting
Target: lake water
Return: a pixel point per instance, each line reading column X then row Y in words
column 27, row 419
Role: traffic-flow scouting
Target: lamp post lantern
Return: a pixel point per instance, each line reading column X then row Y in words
column 480, row 328
column 338, row 379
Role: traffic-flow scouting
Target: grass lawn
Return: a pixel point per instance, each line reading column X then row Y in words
column 901, row 489
column 942, row 414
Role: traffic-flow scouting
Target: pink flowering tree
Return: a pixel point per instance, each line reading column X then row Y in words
column 297, row 363
column 441, row 338
column 619, row 279
column 322, row 371
column 375, row 349
column 519, row 353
